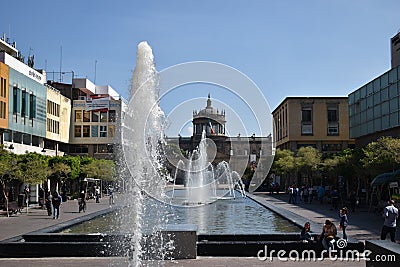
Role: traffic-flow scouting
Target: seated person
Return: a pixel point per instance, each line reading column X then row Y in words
column 328, row 235
column 305, row 234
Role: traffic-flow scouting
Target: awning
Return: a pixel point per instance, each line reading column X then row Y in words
column 386, row 178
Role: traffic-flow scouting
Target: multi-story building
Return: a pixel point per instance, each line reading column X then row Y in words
column 320, row 122
column 395, row 50
column 4, row 70
column 240, row 151
column 374, row 108
column 58, row 117
column 23, row 101
column 96, row 115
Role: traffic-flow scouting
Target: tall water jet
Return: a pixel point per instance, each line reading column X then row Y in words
column 142, row 136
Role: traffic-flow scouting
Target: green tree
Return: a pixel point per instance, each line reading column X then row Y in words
column 284, row 163
column 308, row 161
column 100, row 169
column 5, row 168
column 31, row 168
column 74, row 162
column 382, row 155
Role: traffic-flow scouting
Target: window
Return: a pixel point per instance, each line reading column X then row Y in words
column 103, row 116
column 103, row 131
column 111, row 131
column 78, row 115
column 95, row 131
column 101, row 148
column 112, row 116
column 333, row 129
column 1, row 110
column 306, row 115
column 79, row 149
column 332, row 114
column 1, row 88
column 306, row 121
column 78, row 131
column 24, row 103
column 16, row 103
column 32, row 106
column 86, row 116
column 86, row 131
column 95, row 116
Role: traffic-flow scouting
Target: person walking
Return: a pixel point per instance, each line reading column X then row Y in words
column 47, row 201
column 56, row 200
column 97, row 194
column 353, row 201
column 391, row 214
column 321, row 194
column 343, row 221
column 291, row 192
column 310, row 193
column 334, row 194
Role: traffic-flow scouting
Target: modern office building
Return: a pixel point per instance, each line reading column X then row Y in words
column 395, row 50
column 25, row 129
column 320, row 122
column 374, row 108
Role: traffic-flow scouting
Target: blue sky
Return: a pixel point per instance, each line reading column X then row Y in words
column 288, row 48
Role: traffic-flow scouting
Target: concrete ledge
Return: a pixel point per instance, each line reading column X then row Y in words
column 383, row 253
column 250, row 245
column 182, row 240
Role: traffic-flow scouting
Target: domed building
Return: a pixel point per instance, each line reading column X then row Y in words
column 209, row 120
column 237, row 150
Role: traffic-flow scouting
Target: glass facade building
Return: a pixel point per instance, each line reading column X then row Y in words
column 374, row 107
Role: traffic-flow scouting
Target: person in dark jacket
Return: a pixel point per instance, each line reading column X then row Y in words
column 305, row 234
column 56, row 200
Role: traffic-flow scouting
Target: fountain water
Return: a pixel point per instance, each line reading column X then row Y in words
column 142, row 137
column 203, row 183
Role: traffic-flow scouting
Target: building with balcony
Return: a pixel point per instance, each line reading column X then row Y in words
column 320, row 122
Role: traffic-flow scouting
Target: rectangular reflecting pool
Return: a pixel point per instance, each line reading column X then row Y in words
column 226, row 216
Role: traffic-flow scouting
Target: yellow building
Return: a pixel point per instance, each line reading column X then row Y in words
column 4, row 73
column 58, row 114
column 320, row 122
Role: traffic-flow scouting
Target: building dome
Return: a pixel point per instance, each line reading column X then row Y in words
column 210, row 120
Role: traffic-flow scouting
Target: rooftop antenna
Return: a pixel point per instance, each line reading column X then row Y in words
column 95, row 65
column 60, row 63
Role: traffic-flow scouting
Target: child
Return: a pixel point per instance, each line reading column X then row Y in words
column 343, row 221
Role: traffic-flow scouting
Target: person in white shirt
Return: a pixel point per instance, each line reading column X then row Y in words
column 391, row 214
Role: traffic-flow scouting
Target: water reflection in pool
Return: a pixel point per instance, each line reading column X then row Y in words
column 234, row 216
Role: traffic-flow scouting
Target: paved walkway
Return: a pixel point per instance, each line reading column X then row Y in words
column 36, row 218
column 363, row 225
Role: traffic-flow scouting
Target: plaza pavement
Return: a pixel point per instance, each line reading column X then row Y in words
column 363, row 225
